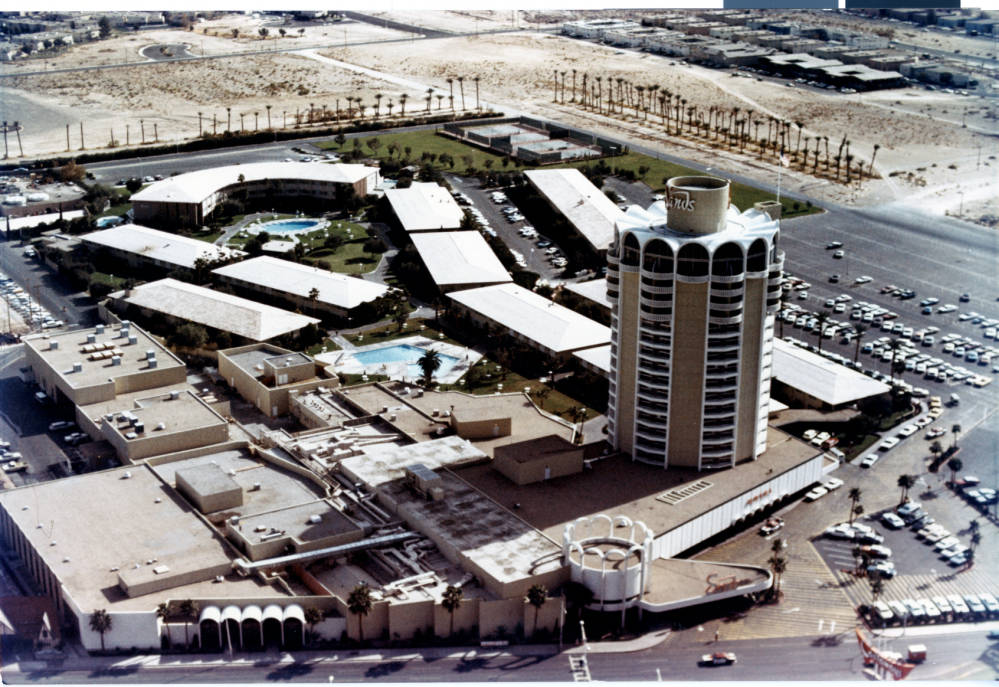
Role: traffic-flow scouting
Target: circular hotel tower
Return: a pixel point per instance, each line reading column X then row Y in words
column 693, row 286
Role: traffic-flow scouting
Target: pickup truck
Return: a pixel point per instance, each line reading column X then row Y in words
column 917, row 653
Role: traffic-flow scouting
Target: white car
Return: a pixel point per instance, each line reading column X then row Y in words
column 888, row 444
column 908, row 430
column 862, row 279
column 816, row 493
column 869, row 460
column 841, row 531
column 892, row 520
column 832, row 483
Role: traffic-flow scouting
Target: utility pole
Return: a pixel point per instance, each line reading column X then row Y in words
column 82, row 145
column 67, row 137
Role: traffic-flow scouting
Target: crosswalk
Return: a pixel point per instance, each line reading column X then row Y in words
column 579, row 667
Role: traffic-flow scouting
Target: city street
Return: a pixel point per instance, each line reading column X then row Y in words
column 951, row 655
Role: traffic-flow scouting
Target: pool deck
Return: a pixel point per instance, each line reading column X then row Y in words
column 345, row 362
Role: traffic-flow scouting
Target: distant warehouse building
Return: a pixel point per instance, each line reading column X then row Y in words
column 425, row 207
column 295, row 284
column 186, row 200
column 459, row 260
column 182, row 302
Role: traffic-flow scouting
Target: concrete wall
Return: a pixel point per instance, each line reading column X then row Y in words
column 550, row 466
column 482, row 429
column 405, row 619
column 754, row 320
column 128, row 629
column 155, row 443
column 466, row 618
column 505, row 613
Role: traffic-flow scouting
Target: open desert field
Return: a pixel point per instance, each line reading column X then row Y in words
column 931, row 146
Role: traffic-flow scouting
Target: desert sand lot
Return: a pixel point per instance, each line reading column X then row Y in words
column 925, row 155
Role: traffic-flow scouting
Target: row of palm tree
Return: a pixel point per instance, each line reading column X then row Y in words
column 318, row 113
column 734, row 127
column 359, row 603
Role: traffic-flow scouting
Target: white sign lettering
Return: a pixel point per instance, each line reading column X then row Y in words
column 681, row 200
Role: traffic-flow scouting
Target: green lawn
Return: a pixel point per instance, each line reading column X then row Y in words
column 327, row 344
column 207, row 236
column 391, row 331
column 116, row 209
column 349, row 258
column 743, row 196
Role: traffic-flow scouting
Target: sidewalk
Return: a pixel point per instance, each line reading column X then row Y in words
column 274, row 658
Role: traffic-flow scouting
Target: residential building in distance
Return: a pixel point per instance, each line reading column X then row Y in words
column 425, row 206
column 151, row 251
column 459, row 260
column 694, row 291
column 186, row 200
column 182, row 302
column 294, row 284
column 591, row 213
column 540, row 323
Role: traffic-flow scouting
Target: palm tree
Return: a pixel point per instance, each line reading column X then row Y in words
column 862, row 559
column 855, row 493
column 402, row 104
column 228, row 125
column 268, row 117
column 893, row 347
column 429, row 363
column 861, row 330
column 476, row 80
column 163, row 611
column 359, row 603
column 188, row 609
column 378, row 105
column 954, row 465
column 955, row 430
column 905, row 483
column 451, row 601
column 870, row 172
column 573, row 86
column 936, row 448
column 313, row 616
column 821, row 319
column 100, row 622
column 778, row 566
column 461, row 89
column 976, row 539
column 536, row 596
column 450, row 85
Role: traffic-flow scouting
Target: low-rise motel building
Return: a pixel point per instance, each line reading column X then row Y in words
column 186, row 200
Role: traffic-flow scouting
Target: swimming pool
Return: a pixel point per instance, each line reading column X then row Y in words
column 291, row 226
column 403, row 353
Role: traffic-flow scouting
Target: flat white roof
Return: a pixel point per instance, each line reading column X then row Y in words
column 594, row 290
column 425, row 207
column 335, row 289
column 194, row 187
column 820, row 377
column 158, row 245
column 35, row 220
column 534, row 317
column 591, row 212
column 598, row 358
column 459, row 257
column 249, row 319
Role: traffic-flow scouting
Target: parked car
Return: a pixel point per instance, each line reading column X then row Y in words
column 771, row 525
column 816, row 493
column 892, row 520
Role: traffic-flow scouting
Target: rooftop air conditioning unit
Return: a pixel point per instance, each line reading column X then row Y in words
column 99, row 329
column 115, row 360
column 160, row 426
column 127, row 475
column 130, row 435
column 91, row 338
column 77, row 367
column 174, row 395
column 132, row 339
column 150, row 354
column 152, row 364
column 315, row 519
column 53, row 345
